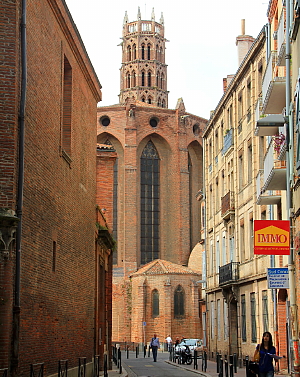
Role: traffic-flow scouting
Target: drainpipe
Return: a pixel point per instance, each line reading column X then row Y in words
column 16, row 308
column 289, row 159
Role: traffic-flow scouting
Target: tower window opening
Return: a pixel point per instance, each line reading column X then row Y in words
column 128, row 53
column 159, row 102
column 134, row 52
column 162, row 81
column 143, row 99
column 128, row 80
column 143, row 52
column 156, row 52
column 143, row 78
column 133, row 79
column 158, row 79
column 163, row 104
column 149, row 51
column 149, row 78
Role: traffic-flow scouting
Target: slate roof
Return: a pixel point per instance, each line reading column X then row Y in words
column 160, row 267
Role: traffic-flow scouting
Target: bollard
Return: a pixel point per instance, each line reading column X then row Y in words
column 136, row 352
column 120, row 364
column 127, row 352
column 218, row 362
column 235, row 362
column 149, row 351
column 231, row 365
column 195, row 359
column 221, row 374
column 145, row 351
column 105, row 366
column 226, row 366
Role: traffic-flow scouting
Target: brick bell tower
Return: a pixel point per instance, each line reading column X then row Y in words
column 143, row 70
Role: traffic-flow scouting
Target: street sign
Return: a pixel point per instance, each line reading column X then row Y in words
column 278, row 278
column 144, row 323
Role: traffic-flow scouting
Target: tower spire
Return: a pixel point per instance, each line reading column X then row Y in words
column 152, row 15
column 162, row 21
column 125, row 18
column 139, row 14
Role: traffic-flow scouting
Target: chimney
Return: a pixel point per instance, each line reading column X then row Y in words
column 243, row 43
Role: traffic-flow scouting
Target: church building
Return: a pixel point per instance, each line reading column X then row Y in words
column 149, row 171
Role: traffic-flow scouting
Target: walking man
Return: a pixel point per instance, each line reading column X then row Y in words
column 154, row 344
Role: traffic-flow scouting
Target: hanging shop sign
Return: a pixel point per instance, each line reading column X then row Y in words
column 272, row 237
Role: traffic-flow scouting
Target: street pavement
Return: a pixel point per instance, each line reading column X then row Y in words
column 146, row 367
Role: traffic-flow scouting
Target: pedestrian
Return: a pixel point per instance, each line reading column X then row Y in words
column 154, row 345
column 169, row 343
column 264, row 354
column 177, row 341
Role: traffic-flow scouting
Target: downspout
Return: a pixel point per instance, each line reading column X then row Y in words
column 19, row 209
column 289, row 158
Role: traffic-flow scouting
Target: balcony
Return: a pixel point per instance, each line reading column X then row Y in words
column 273, row 87
column 274, row 171
column 269, row 125
column 229, row 273
column 228, row 141
column 227, row 205
column 265, row 197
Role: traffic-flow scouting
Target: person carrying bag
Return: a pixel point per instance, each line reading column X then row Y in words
column 264, row 355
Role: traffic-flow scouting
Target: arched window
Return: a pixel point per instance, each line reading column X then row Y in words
column 162, row 81
column 128, row 53
column 149, row 78
column 161, row 54
column 163, row 104
column 159, row 102
column 156, row 52
column 128, row 80
column 149, row 100
column 149, row 51
column 143, row 99
column 133, row 79
column 179, row 302
column 134, row 52
column 143, row 51
column 157, row 79
column 149, row 203
column 143, row 78
column 155, row 303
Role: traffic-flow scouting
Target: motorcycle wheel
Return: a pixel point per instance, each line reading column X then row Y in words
column 189, row 360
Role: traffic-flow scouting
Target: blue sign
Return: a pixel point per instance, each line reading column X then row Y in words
column 278, row 278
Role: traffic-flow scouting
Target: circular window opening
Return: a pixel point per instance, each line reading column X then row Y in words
column 154, row 122
column 196, row 129
column 104, row 120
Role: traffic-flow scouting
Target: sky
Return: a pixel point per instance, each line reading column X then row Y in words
column 201, row 48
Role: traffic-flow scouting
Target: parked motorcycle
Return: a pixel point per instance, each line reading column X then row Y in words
column 186, row 355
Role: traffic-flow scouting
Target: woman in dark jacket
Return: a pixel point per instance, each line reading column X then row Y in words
column 266, row 351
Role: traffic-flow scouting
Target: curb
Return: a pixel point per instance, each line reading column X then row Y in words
column 189, row 369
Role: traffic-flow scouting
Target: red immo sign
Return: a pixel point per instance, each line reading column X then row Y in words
column 272, row 237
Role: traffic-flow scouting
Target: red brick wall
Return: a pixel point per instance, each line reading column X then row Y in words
column 57, row 307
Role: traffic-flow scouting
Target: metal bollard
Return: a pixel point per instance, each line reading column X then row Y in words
column 231, row 365
column 226, row 366
column 136, row 352
column 195, row 359
column 145, row 351
column 235, row 363
column 218, row 362
column 127, row 352
column 221, row 373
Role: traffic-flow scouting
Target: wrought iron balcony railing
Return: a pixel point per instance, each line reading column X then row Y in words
column 227, row 205
column 228, row 273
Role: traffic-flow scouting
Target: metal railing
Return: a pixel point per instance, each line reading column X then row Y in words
column 63, row 368
column 37, row 370
column 229, row 273
column 4, row 372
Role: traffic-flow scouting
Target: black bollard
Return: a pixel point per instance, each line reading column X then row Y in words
column 231, row 365
column 136, row 352
column 218, row 362
column 235, row 363
column 145, row 351
column 195, row 359
column 226, row 366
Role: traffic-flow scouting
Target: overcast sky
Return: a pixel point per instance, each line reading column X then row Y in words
column 200, row 52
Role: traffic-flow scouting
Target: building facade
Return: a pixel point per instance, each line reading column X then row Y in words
column 55, row 263
column 240, row 305
column 154, row 215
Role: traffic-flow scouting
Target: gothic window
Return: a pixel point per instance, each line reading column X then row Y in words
column 143, row 99
column 159, row 102
column 143, row 78
column 134, row 52
column 133, row 79
column 160, row 54
column 179, row 302
column 155, row 303
column 149, row 51
column 149, row 100
column 156, row 52
column 128, row 53
column 149, row 203
column 149, row 78
column 163, row 104
column 143, row 51
column 128, row 80
column 162, row 81
column 157, row 79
